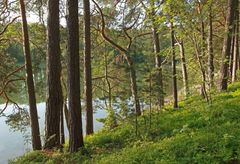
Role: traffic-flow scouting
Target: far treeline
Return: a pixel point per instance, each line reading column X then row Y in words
column 130, row 55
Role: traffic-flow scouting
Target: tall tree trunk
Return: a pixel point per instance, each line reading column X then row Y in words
column 236, row 44
column 62, row 135
column 36, row 140
column 74, row 100
column 210, row 49
column 150, row 100
column 174, row 72
column 158, row 66
column 201, row 56
column 134, row 88
column 158, row 59
column 88, row 69
column 227, row 45
column 184, row 69
column 203, row 39
column 65, row 107
column 54, row 88
column 66, row 114
column 231, row 54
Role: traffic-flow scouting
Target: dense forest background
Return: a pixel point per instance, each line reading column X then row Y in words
column 126, row 57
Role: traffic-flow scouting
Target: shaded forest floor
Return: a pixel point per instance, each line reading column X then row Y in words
column 195, row 133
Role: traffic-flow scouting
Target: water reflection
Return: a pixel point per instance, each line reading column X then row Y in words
column 12, row 143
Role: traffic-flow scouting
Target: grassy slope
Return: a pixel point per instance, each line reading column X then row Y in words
column 195, row 133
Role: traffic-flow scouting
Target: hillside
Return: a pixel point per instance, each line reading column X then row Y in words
column 195, row 133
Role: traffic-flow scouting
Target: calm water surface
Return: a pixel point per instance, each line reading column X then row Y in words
column 12, row 143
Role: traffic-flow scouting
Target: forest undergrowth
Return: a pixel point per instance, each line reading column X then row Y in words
column 196, row 132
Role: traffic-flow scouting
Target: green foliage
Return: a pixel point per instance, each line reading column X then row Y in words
column 110, row 139
column 110, row 121
column 19, row 120
column 33, row 157
column 194, row 133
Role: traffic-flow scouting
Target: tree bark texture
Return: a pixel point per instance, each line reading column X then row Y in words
column 134, row 88
column 74, row 101
column 158, row 59
column 54, row 89
column 174, row 72
column 227, row 45
column 88, row 69
column 158, row 66
column 236, row 45
column 36, row 140
column 184, row 69
column 210, row 50
column 62, row 134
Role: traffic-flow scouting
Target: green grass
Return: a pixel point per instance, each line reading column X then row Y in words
column 195, row 133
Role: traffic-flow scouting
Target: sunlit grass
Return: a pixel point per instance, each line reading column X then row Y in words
column 197, row 132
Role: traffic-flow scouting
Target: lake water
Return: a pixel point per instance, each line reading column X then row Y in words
column 12, row 143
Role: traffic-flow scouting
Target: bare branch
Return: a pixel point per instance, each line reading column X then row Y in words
column 6, row 27
column 120, row 48
column 8, row 82
column 13, row 72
